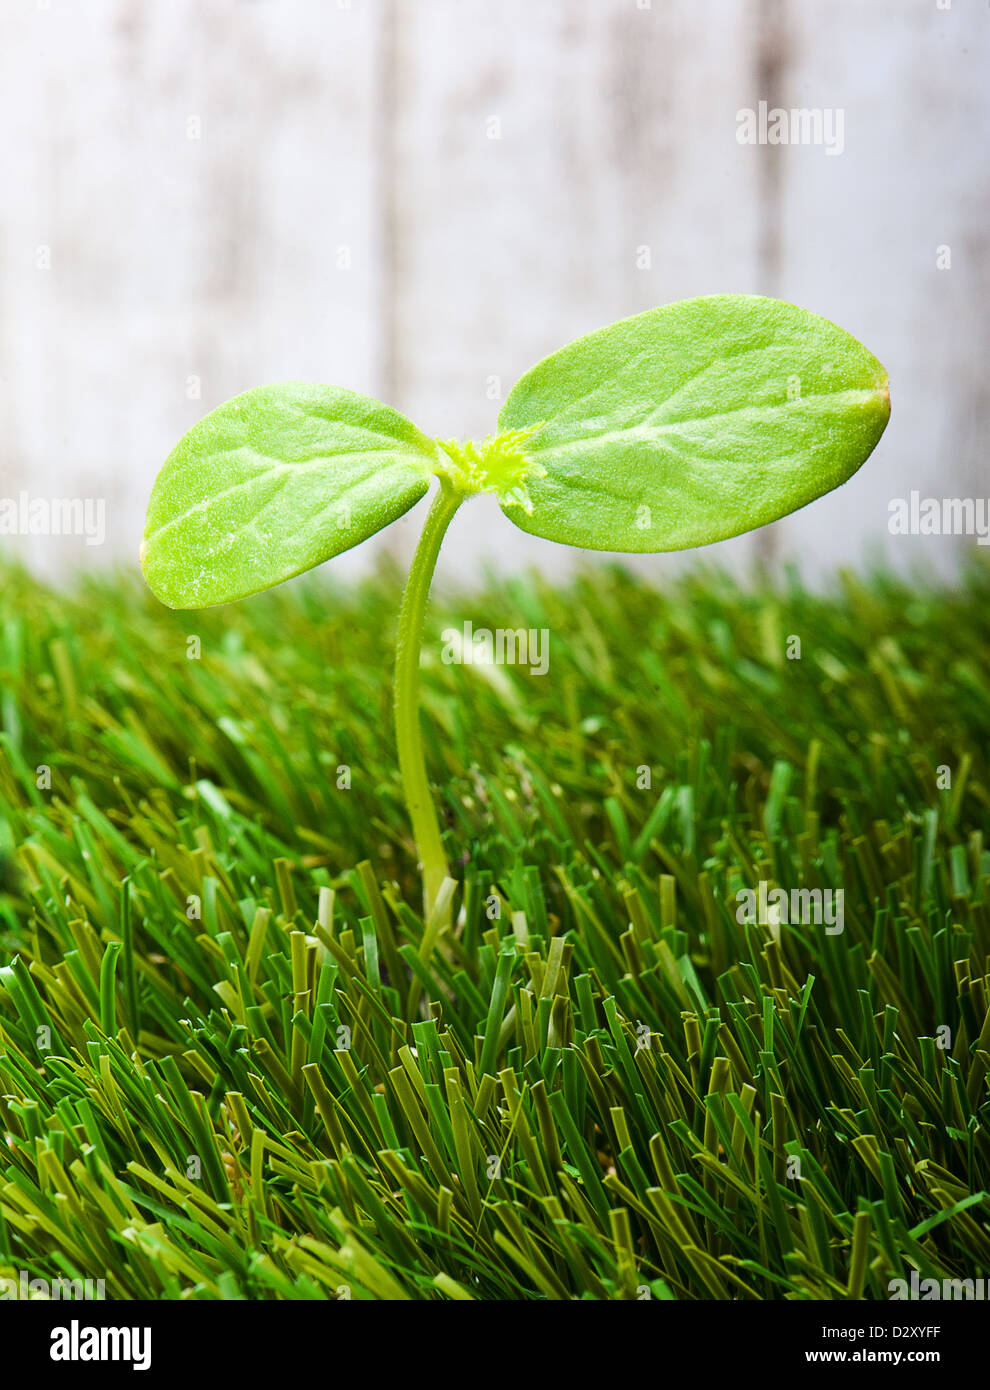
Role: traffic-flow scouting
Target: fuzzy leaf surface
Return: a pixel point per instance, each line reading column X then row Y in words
column 692, row 423
column 273, row 482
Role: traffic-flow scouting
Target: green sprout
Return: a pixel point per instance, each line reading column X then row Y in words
column 678, row 427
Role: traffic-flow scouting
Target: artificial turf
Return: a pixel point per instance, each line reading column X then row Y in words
column 234, row 1065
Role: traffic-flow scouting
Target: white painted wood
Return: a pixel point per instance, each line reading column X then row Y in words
column 860, row 234
column 609, row 148
column 195, row 169
column 333, row 133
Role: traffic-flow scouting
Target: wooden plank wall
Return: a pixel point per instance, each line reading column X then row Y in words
column 420, row 198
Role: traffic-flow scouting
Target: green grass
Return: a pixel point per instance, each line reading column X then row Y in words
column 233, row 1066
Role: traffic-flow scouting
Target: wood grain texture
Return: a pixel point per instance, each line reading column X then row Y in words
column 419, row 200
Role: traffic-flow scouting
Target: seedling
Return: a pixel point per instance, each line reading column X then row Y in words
column 678, row 427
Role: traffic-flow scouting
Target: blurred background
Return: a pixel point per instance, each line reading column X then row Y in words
column 418, row 199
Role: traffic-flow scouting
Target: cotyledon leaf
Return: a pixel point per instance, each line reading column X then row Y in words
column 693, row 422
column 273, row 482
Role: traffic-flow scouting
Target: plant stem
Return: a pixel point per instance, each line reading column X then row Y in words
column 408, row 733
